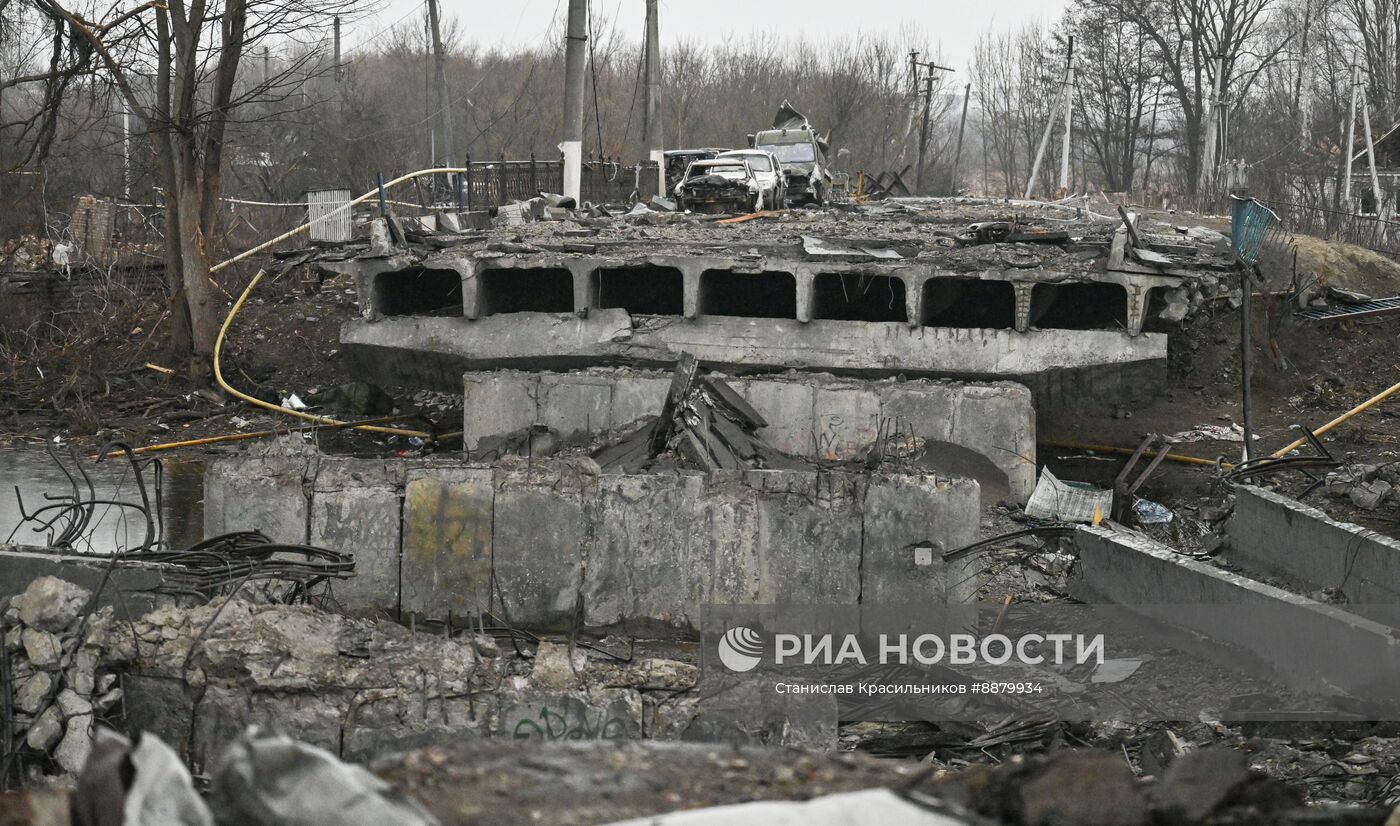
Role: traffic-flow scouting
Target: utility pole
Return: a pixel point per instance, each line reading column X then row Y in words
column 653, row 102
column 957, row 155
column 1371, row 154
column 1069, row 118
column 575, row 44
column 1214, row 110
column 1050, row 127
column 440, row 72
column 337, row 49
column 1351, row 135
column 923, row 131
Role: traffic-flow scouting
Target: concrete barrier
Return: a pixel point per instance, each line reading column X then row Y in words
column 551, row 544
column 1275, row 536
column 1306, row 643
column 815, row 416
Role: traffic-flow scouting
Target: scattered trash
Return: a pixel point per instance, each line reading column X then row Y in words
column 1068, row 501
column 822, row 246
column 1208, row 433
column 1151, row 513
column 293, row 402
column 1116, row 671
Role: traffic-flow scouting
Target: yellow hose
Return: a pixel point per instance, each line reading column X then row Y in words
column 238, row 305
column 310, row 417
column 1366, row 405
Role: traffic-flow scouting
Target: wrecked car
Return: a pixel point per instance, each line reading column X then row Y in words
column 769, row 171
column 720, row 185
column 678, row 160
column 802, row 153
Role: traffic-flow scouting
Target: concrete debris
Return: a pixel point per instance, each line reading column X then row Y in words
column 272, row 780
column 1370, row 495
column 704, row 423
column 50, row 604
column 54, row 669
column 45, row 732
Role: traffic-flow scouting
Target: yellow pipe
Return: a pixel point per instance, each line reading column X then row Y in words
column 1127, row 451
column 310, row 417
column 1366, row 405
column 234, row 437
column 238, row 305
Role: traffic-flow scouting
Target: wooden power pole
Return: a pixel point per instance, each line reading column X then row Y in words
column 928, row 105
column 576, row 40
column 440, row 78
column 957, row 155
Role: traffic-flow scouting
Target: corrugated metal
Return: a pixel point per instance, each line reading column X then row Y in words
column 326, row 223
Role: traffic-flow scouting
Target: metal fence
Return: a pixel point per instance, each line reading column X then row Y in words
column 499, row 182
column 1366, row 231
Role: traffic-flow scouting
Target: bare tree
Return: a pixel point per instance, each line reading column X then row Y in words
column 176, row 65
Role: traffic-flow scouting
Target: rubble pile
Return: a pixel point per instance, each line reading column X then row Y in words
column 1366, row 486
column 704, row 424
column 51, row 663
column 360, row 687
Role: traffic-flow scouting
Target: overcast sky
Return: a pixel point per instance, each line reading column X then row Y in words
column 954, row 24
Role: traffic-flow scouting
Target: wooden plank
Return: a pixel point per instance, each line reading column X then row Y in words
column 681, row 382
column 736, row 402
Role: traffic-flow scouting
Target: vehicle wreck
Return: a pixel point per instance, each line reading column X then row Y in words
column 727, row 185
column 802, row 152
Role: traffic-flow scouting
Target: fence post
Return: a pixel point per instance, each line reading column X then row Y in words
column 501, row 178
column 534, row 178
column 468, row 167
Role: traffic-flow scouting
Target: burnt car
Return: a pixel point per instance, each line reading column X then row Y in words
column 802, row 153
column 721, row 185
column 678, row 160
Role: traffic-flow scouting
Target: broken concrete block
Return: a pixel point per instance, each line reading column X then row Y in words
column 42, row 648
column 72, row 705
column 1198, row 782
column 1178, row 305
column 32, row 691
column 50, row 603
column 1370, row 495
column 111, row 698
column 72, row 753
column 13, row 639
column 1084, row 788
column 556, row 670
column 45, row 731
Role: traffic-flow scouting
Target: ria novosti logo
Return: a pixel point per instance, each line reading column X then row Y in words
column 740, row 649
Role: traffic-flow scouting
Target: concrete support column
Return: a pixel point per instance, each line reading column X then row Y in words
column 1024, row 290
column 471, row 288
column 1138, row 296
column 913, row 297
column 805, row 279
column 585, row 293
column 690, row 275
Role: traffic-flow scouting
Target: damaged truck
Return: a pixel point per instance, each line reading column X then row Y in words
column 802, row 152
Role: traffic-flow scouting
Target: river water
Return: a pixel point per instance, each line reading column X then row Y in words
column 112, row 528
